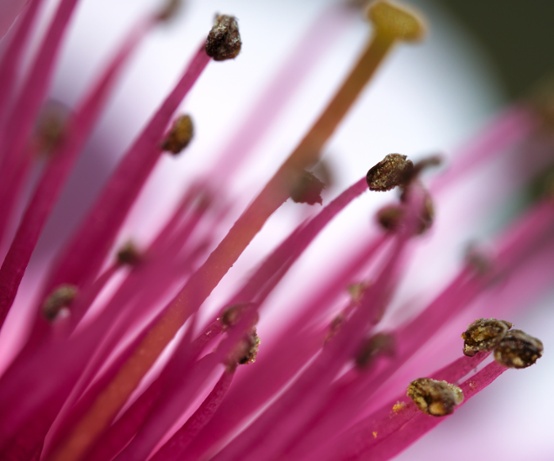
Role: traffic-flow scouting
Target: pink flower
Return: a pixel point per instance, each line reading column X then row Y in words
column 147, row 349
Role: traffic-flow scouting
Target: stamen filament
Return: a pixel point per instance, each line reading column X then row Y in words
column 85, row 253
column 201, row 283
column 174, row 447
column 57, row 171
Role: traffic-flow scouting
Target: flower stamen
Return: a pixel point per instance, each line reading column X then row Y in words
column 436, row 398
column 484, row 335
column 517, row 349
column 180, row 135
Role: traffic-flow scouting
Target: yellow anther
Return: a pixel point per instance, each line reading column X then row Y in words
column 395, row 22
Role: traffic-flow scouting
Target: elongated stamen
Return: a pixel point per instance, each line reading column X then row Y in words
column 33, row 91
column 11, row 60
column 130, row 422
column 410, row 337
column 391, row 25
column 85, row 253
column 174, row 447
column 119, row 376
column 58, row 169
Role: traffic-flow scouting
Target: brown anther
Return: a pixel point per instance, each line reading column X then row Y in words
column 428, row 215
column 251, row 344
column 478, row 260
column 484, row 335
column 436, row 398
column 427, row 212
column 390, row 217
column 334, row 327
column 168, row 11
column 232, row 314
column 424, row 164
column 518, row 350
column 179, row 136
column 51, row 126
column 307, row 189
column 324, row 171
column 389, row 173
column 61, row 298
column 224, row 41
column 357, row 290
column 380, row 344
column 246, row 350
column 128, row 255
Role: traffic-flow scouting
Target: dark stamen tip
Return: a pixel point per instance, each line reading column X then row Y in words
column 251, row 344
column 224, row 40
column 179, row 136
column 478, row 260
column 246, row 350
column 426, row 215
column 517, row 349
column 129, row 255
column 436, row 398
column 58, row 301
column 334, row 327
column 484, row 335
column 232, row 314
column 51, row 127
column 431, row 161
column 168, row 11
column 380, row 344
column 307, row 189
column 389, row 217
column 357, row 290
column 394, row 170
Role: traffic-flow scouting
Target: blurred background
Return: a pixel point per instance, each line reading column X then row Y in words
column 516, row 36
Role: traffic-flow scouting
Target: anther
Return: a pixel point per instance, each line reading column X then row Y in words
column 307, row 189
column 128, row 255
column 389, row 217
column 51, row 126
column 484, row 335
column 394, row 170
column 179, row 136
column 477, row 259
column 380, row 344
column 232, row 314
column 394, row 22
column 436, row 398
column 250, row 345
column 335, row 326
column 58, row 301
column 224, row 41
column 168, row 11
column 518, row 350
column 426, row 214
column 357, row 290
column 245, row 351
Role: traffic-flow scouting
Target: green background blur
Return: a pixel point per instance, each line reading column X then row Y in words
column 517, row 35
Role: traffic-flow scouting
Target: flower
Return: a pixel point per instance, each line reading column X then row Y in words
column 122, row 356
